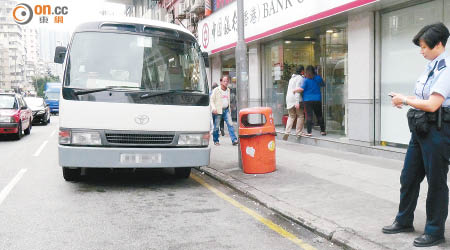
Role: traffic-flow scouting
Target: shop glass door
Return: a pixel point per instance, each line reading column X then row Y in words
column 333, row 69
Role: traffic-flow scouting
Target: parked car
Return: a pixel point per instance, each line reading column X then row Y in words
column 15, row 116
column 41, row 111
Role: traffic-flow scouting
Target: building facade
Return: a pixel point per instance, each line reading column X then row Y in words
column 49, row 40
column 361, row 48
column 32, row 46
column 12, row 50
column 186, row 13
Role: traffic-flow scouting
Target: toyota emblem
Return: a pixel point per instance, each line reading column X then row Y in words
column 141, row 119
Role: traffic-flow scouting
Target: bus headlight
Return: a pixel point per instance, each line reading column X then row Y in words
column 86, row 138
column 193, row 139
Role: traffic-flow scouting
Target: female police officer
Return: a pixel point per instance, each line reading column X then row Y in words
column 429, row 149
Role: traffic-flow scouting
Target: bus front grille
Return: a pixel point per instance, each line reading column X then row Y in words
column 143, row 139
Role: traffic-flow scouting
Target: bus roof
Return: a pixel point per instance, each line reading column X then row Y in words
column 96, row 24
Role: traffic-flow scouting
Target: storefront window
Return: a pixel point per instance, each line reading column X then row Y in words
column 326, row 49
column 275, row 88
column 333, row 61
column 401, row 62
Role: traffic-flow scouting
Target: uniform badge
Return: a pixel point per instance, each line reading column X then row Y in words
column 441, row 64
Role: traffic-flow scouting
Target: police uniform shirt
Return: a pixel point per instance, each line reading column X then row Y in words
column 435, row 79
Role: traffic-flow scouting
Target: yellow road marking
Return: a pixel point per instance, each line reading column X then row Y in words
column 255, row 215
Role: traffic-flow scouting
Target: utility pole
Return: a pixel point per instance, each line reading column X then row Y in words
column 241, row 67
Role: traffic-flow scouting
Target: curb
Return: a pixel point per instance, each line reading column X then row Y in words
column 341, row 236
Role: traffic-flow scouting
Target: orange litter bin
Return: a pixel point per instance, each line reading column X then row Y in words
column 257, row 140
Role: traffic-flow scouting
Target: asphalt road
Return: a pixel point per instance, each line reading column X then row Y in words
column 127, row 210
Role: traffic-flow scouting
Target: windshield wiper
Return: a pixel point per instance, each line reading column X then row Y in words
column 165, row 92
column 89, row 91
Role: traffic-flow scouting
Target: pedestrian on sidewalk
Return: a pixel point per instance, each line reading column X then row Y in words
column 429, row 148
column 312, row 99
column 222, row 125
column 294, row 104
column 220, row 103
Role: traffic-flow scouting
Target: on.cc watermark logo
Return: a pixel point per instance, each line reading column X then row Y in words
column 22, row 13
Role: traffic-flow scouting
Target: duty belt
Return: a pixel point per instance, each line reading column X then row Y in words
column 421, row 121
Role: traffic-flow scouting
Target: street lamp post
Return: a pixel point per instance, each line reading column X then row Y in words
column 241, row 66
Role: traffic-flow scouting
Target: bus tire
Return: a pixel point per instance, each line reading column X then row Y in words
column 182, row 173
column 71, row 174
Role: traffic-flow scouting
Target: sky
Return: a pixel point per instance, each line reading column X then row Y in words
column 78, row 11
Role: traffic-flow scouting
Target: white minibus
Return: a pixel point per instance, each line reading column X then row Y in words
column 134, row 95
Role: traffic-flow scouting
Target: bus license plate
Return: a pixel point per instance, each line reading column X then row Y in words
column 140, row 158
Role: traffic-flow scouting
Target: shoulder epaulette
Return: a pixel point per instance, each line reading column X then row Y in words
column 441, row 64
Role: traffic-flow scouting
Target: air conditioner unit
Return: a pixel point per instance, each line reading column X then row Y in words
column 187, row 5
column 159, row 14
column 197, row 6
column 169, row 17
column 181, row 11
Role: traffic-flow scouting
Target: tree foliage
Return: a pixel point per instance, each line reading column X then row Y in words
column 41, row 81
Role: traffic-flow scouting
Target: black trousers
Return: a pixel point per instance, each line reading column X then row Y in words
column 426, row 156
column 316, row 108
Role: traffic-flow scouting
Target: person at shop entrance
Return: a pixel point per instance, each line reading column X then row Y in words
column 429, row 148
column 312, row 99
column 294, row 103
column 220, row 104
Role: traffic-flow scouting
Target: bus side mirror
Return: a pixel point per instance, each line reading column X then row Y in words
column 60, row 53
column 205, row 59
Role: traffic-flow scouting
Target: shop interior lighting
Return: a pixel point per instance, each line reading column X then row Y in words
column 307, row 37
column 287, row 42
column 330, row 31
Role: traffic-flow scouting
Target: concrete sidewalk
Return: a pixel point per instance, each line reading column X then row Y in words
column 345, row 197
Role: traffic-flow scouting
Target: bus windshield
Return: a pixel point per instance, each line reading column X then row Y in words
column 134, row 62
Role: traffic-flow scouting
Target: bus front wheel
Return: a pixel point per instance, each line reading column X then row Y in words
column 71, row 174
column 182, row 173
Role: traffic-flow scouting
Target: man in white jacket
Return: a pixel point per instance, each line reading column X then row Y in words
column 293, row 101
column 220, row 107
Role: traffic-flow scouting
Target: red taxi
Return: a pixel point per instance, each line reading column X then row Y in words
column 15, row 115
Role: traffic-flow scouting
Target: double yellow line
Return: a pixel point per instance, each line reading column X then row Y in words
column 255, row 215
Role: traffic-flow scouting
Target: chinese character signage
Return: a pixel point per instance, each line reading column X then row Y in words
column 263, row 18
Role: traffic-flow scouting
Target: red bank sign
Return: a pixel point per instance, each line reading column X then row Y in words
column 218, row 4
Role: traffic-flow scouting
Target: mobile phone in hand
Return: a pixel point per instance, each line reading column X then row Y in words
column 391, row 95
